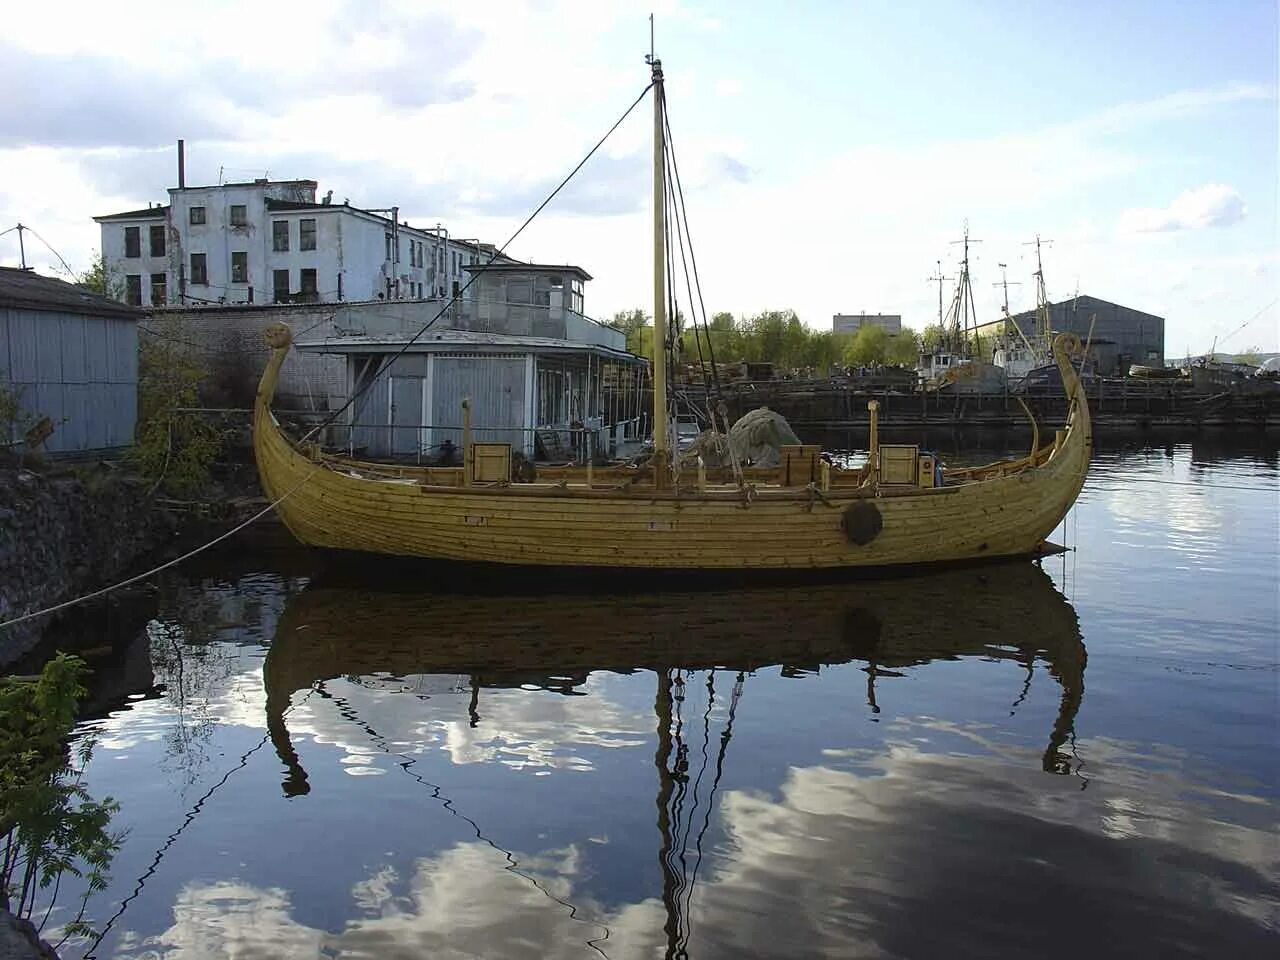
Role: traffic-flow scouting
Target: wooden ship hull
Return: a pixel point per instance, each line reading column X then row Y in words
column 1005, row 509
column 1009, row 612
column 805, row 515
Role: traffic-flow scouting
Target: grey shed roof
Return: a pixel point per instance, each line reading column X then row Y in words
column 151, row 213
column 518, row 267
column 27, row 290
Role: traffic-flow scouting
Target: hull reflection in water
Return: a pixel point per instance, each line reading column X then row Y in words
column 1009, row 612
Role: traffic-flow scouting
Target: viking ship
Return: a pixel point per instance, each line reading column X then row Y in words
column 900, row 508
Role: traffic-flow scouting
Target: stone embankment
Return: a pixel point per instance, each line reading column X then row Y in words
column 65, row 533
column 19, row 940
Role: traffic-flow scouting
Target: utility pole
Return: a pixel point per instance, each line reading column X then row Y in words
column 22, row 249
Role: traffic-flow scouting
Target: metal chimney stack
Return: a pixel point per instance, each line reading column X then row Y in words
column 182, row 165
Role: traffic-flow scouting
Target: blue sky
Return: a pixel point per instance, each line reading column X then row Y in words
column 830, row 150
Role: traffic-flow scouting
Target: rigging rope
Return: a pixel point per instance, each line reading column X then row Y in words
column 55, row 608
column 684, row 216
column 478, row 273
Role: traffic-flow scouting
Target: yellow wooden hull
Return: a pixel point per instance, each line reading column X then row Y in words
column 326, row 503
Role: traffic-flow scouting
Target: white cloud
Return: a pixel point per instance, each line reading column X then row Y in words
column 1212, row 205
column 467, row 118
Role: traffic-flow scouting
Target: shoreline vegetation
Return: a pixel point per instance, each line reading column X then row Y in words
column 54, row 837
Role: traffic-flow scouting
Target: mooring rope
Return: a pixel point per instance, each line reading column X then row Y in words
column 26, row 617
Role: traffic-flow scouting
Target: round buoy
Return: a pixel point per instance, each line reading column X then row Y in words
column 862, row 522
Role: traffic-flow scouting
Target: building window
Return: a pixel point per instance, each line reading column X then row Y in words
column 387, row 237
column 455, row 288
column 308, row 283
column 307, row 234
column 240, row 267
column 133, row 288
column 519, row 291
column 197, row 216
column 132, row 242
column 280, row 285
column 199, row 269
column 239, row 215
column 159, row 290
column 280, row 236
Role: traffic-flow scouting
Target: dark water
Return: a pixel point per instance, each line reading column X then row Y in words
column 1074, row 760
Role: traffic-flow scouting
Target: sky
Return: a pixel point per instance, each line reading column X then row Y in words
column 830, row 152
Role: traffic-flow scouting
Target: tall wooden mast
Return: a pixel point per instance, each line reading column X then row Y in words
column 661, row 452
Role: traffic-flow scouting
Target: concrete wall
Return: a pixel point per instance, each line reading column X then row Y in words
column 81, row 371
column 230, row 340
column 853, row 322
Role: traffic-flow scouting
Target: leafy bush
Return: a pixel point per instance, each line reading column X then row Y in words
column 175, row 445
column 49, row 826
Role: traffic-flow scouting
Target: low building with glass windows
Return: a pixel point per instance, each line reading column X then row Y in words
column 536, row 371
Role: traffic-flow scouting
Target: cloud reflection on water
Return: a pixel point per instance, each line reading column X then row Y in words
column 891, row 859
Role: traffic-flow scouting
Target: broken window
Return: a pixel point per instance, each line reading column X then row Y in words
column 240, row 267
column 133, row 288
column 280, row 285
column 307, row 234
column 159, row 289
column 132, row 242
column 157, row 240
column 280, row 236
column 197, row 216
column 239, row 215
column 199, row 269
column 308, row 283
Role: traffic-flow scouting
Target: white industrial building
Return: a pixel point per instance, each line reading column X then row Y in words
column 853, row 322
column 270, row 241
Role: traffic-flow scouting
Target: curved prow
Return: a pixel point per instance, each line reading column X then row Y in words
column 279, row 338
column 1064, row 345
column 1077, row 448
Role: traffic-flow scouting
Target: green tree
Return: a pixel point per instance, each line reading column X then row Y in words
column 869, row 346
column 628, row 320
column 931, row 338
column 721, row 321
column 903, row 350
column 49, row 826
column 98, row 280
column 175, row 445
column 1252, row 356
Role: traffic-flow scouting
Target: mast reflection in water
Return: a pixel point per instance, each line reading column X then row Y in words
column 556, row 642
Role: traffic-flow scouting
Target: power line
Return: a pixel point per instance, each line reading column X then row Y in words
column 357, row 394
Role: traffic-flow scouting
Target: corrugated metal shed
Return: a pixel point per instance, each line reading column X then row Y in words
column 72, row 356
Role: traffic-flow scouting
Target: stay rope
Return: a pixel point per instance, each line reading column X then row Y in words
column 499, row 251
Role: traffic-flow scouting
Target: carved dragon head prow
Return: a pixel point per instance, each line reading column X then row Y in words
column 278, row 336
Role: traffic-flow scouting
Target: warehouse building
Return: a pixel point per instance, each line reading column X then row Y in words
column 68, row 364
column 1120, row 335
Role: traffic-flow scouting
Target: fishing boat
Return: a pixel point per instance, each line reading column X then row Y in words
column 668, row 512
column 955, row 367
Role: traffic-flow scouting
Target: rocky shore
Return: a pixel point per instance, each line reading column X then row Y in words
column 65, row 532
